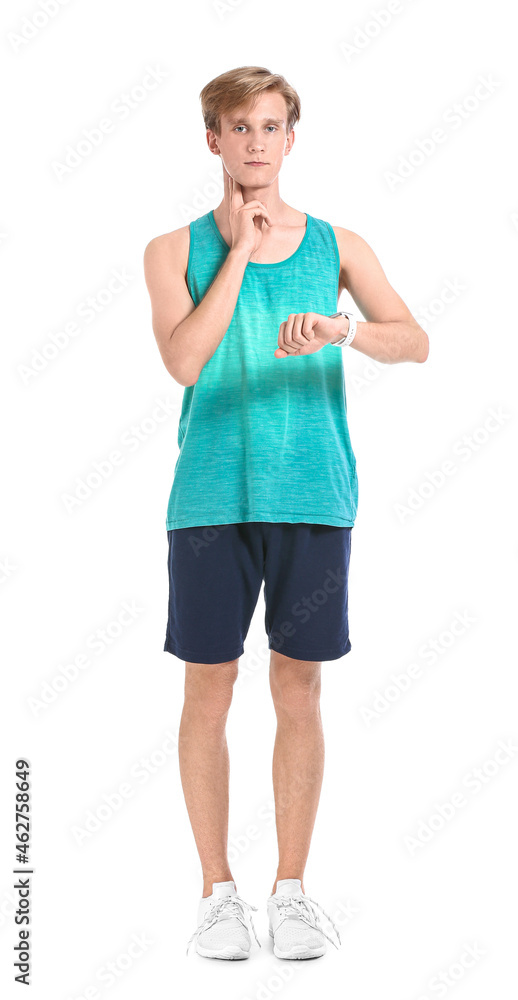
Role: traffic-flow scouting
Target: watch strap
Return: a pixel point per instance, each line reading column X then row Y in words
column 348, row 339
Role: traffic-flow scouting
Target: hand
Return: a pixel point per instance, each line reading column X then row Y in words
column 245, row 218
column 305, row 333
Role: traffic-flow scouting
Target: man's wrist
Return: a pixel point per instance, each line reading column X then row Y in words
column 352, row 323
column 240, row 254
column 342, row 324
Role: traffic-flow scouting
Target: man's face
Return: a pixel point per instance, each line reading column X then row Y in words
column 254, row 135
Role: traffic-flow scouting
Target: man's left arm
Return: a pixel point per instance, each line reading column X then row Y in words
column 389, row 333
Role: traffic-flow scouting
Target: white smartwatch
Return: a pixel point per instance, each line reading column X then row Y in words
column 345, row 341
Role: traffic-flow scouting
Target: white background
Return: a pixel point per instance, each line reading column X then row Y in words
column 370, row 94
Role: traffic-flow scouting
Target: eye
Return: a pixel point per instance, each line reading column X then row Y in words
column 274, row 127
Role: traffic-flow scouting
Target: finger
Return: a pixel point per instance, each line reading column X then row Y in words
column 288, row 334
column 259, row 217
column 228, row 181
column 293, row 339
column 236, row 194
column 285, row 337
column 307, row 330
column 266, row 214
column 258, row 209
column 296, row 332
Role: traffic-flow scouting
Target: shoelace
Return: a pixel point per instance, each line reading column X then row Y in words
column 299, row 905
column 235, row 906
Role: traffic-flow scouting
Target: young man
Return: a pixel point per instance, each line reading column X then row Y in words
column 244, row 303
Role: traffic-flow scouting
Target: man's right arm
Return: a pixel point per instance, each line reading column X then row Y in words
column 188, row 335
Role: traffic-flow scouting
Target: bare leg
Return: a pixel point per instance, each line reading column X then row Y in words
column 298, row 759
column 204, row 763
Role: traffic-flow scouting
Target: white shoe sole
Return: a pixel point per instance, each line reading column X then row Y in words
column 298, row 951
column 231, row 951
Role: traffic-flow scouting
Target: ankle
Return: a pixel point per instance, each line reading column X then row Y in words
column 222, row 876
column 278, row 878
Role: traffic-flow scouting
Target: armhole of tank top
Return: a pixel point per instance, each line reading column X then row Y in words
column 337, row 255
column 189, row 262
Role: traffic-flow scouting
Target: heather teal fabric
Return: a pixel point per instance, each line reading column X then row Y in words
column 264, row 438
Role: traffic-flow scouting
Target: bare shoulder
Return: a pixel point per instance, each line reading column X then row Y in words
column 363, row 276
column 349, row 241
column 168, row 248
column 355, row 253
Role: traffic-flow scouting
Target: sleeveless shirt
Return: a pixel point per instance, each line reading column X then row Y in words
column 264, row 438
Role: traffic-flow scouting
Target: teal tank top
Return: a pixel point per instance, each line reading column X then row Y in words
column 264, row 438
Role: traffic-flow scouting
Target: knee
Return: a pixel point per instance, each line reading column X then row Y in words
column 295, row 689
column 209, row 688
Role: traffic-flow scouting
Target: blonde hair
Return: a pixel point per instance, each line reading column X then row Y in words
column 230, row 90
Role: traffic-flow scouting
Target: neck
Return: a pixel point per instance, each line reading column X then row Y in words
column 268, row 197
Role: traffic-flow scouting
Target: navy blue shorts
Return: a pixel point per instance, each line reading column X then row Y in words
column 215, row 577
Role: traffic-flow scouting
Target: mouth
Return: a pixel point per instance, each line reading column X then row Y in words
column 255, row 163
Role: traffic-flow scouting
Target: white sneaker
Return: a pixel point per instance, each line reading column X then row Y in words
column 294, row 924
column 222, row 930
